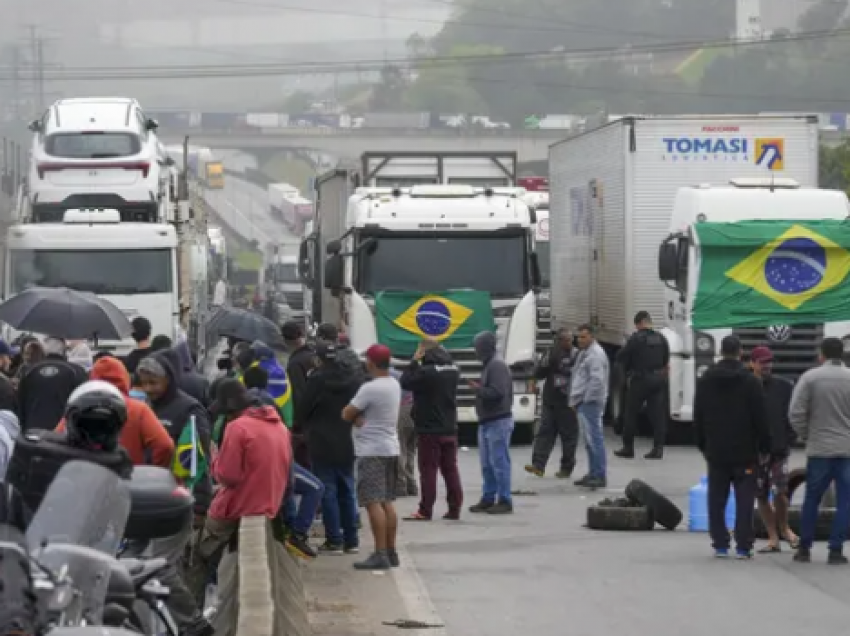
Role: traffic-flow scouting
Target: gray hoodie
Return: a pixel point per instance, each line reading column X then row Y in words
column 495, row 399
column 10, row 429
column 820, row 410
column 590, row 377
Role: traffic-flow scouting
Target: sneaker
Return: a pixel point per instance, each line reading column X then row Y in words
column 392, row 555
column 743, row 555
column 803, row 555
column 534, row 470
column 625, row 453
column 721, row 553
column 564, row 474
column 595, row 482
column 299, row 545
column 836, row 558
column 329, row 547
column 376, row 561
column 501, row 508
column 482, row 506
column 581, row 481
column 352, row 549
column 452, row 515
column 655, row 453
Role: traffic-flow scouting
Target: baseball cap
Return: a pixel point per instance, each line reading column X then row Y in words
column 761, row 355
column 326, row 351
column 5, row 349
column 378, row 354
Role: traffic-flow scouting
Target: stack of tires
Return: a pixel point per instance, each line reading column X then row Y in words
column 640, row 510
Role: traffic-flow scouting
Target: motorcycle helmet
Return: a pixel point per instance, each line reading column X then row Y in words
column 95, row 414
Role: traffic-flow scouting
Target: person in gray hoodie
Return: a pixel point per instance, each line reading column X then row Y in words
column 588, row 395
column 820, row 414
column 494, row 398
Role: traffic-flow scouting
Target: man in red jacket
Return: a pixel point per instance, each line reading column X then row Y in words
column 251, row 469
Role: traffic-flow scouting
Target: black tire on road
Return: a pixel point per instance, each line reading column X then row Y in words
column 665, row 512
column 635, row 518
column 796, row 481
column 823, row 528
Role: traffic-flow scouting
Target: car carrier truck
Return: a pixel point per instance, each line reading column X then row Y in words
column 630, row 202
column 429, row 244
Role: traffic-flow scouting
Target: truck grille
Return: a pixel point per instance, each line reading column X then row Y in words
column 295, row 300
column 470, row 369
column 791, row 358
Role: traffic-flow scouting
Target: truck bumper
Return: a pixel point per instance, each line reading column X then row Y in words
column 524, row 410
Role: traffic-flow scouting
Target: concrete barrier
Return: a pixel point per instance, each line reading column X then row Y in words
column 267, row 582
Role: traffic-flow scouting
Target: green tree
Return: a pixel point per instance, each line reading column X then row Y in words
column 834, row 164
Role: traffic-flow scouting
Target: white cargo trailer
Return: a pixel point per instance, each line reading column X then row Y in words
column 611, row 198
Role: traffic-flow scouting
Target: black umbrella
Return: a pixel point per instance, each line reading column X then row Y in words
column 65, row 313
column 244, row 325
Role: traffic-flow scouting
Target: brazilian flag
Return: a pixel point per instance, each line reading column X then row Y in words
column 190, row 463
column 761, row 273
column 453, row 318
column 279, row 388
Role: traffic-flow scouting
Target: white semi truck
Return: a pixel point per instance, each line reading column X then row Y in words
column 288, row 205
column 621, row 192
column 417, row 222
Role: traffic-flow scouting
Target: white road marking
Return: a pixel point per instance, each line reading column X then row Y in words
column 415, row 595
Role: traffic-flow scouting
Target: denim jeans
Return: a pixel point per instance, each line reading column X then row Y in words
column 821, row 472
column 590, row 420
column 307, row 486
column 339, row 503
column 494, row 444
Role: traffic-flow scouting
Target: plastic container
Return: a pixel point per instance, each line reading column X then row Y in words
column 698, row 507
column 159, row 507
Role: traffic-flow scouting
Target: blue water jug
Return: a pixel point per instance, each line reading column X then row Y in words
column 698, row 507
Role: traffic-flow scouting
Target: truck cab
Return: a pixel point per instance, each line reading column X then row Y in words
column 695, row 325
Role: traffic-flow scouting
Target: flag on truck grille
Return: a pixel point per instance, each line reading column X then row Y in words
column 454, row 318
column 760, row 273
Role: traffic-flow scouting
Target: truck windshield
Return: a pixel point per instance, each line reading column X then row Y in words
column 496, row 264
column 287, row 273
column 101, row 272
column 542, row 249
column 88, row 145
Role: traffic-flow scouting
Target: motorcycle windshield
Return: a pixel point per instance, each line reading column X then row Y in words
column 86, row 505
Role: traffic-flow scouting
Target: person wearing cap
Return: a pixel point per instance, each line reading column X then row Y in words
column 773, row 470
column 345, row 357
column 141, row 334
column 8, row 398
column 374, row 413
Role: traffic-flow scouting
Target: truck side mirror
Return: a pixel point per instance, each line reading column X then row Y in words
column 305, row 262
column 333, row 247
column 35, row 125
column 151, row 124
column 668, row 259
column 333, row 272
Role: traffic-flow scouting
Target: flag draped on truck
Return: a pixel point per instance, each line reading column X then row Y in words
column 760, row 273
column 454, row 318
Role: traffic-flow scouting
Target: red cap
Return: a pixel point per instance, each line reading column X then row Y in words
column 761, row 355
column 379, row 354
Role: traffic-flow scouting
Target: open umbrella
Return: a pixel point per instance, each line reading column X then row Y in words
column 244, row 325
column 65, row 313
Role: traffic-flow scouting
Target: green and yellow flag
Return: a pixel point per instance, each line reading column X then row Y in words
column 454, row 318
column 190, row 463
column 761, row 273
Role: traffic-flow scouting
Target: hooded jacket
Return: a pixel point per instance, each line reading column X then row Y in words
column 253, row 466
column 433, row 382
column 556, row 368
column 330, row 388
column 348, row 360
column 10, row 429
column 175, row 409
column 300, row 364
column 143, row 436
column 730, row 420
column 44, row 391
column 494, row 399
column 191, row 381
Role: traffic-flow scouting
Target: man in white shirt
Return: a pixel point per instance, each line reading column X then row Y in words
column 374, row 413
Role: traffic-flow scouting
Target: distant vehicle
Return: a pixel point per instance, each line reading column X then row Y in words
column 287, row 204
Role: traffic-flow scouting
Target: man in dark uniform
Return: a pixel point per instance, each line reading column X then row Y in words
column 557, row 419
column 644, row 359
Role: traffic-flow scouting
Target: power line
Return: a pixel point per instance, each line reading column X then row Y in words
column 318, row 68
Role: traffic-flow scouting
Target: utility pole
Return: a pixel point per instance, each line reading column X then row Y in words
column 37, row 57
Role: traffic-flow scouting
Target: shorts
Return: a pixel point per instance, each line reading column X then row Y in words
column 773, row 476
column 376, row 479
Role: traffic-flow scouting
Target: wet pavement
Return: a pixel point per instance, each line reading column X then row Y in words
column 540, row 572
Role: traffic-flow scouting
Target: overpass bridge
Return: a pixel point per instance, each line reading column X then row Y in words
column 531, row 145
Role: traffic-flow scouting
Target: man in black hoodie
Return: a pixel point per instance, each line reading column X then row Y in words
column 329, row 390
column 732, row 433
column 432, row 377
column 302, row 360
column 44, row 389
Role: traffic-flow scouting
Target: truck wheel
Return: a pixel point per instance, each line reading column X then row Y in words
column 796, row 479
column 665, row 512
column 619, row 515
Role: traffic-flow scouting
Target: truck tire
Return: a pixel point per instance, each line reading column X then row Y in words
column 823, row 528
column 619, row 515
column 664, row 511
column 796, row 479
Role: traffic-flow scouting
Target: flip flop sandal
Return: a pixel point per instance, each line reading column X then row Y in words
column 794, row 544
column 770, row 549
column 417, row 516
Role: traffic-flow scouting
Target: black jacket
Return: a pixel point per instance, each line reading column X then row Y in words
column 556, row 368
column 298, row 367
column 433, row 383
column 329, row 390
column 730, row 419
column 44, row 391
column 777, row 397
column 8, row 397
column 175, row 409
column 132, row 359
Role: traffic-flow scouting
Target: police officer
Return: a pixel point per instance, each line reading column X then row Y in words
column 644, row 359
